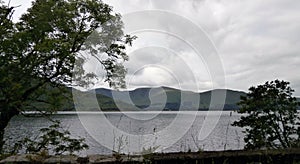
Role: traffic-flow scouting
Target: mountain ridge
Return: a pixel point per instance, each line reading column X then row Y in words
column 148, row 99
column 140, row 98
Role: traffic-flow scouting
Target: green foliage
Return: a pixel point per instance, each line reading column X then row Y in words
column 271, row 119
column 44, row 49
column 52, row 139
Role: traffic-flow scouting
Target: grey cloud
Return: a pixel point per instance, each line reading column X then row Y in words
column 256, row 40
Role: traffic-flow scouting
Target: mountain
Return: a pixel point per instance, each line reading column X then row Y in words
column 231, row 99
column 143, row 99
column 174, row 99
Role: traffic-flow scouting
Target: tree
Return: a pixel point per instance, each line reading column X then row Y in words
column 41, row 50
column 271, row 120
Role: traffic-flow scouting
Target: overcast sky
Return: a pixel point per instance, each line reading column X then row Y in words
column 256, row 41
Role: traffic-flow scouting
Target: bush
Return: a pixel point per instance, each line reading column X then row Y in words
column 53, row 139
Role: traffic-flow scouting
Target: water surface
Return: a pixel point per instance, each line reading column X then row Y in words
column 145, row 126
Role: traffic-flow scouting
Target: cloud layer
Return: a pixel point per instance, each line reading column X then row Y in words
column 256, row 41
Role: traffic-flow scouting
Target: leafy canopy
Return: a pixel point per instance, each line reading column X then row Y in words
column 42, row 48
column 271, row 119
column 46, row 49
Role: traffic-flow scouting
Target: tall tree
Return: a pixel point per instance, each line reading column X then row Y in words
column 271, row 120
column 42, row 49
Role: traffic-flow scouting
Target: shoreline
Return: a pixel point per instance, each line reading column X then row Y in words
column 142, row 112
column 229, row 156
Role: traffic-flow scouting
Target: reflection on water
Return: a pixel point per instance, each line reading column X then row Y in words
column 223, row 136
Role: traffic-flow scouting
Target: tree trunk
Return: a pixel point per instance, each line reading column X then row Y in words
column 5, row 116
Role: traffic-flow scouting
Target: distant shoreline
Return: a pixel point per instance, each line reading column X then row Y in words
column 114, row 112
